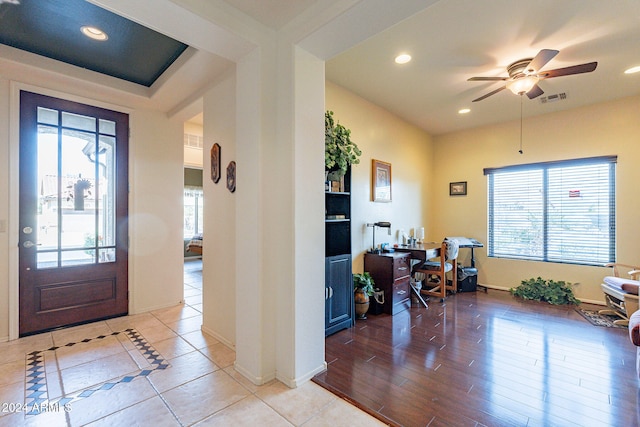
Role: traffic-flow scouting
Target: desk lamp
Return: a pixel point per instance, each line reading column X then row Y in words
column 381, row 224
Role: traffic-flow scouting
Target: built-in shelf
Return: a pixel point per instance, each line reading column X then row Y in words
column 339, row 307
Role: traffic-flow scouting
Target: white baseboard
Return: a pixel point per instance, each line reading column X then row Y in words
column 297, row 382
column 219, row 337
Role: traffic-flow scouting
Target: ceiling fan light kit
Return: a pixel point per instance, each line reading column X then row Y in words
column 522, row 85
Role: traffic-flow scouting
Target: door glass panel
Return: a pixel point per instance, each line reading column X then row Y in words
column 78, row 207
column 46, row 230
column 107, row 127
column 107, row 255
column 79, row 122
column 106, row 191
column 76, row 179
column 47, row 259
column 47, row 116
column 86, row 256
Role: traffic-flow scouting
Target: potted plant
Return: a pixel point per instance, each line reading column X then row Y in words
column 339, row 150
column 363, row 289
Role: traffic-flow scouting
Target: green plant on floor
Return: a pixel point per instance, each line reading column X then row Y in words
column 557, row 293
column 363, row 281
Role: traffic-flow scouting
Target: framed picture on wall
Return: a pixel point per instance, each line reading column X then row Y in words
column 380, row 181
column 215, row 163
column 458, row 188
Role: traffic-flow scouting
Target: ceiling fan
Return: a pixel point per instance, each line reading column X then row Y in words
column 525, row 74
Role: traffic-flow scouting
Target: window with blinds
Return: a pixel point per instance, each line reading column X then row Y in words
column 556, row 212
column 193, row 211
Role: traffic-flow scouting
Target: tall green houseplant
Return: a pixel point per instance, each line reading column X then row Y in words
column 339, row 150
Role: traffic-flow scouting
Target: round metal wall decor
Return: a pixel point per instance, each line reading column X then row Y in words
column 231, row 176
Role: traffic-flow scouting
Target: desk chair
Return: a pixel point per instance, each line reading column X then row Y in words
column 621, row 293
column 435, row 272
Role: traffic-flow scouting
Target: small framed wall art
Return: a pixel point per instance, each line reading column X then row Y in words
column 380, row 181
column 458, row 188
column 215, row 163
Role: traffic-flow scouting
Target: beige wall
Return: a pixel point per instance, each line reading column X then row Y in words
column 193, row 155
column 218, row 274
column 383, row 136
column 156, row 212
column 609, row 128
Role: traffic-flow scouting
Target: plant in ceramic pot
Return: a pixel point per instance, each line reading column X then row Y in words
column 339, row 150
column 363, row 289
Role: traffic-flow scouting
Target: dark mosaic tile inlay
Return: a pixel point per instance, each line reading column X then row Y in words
column 36, row 395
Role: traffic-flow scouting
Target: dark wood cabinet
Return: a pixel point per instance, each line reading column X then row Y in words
column 391, row 273
column 339, row 308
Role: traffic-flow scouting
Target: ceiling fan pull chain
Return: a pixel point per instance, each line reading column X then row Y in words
column 520, row 151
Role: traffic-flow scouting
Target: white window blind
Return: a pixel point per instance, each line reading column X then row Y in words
column 556, row 212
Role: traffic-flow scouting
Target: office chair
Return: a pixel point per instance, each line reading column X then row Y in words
column 435, row 272
column 621, row 293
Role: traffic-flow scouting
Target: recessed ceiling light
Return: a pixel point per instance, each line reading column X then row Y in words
column 403, row 58
column 464, row 111
column 94, row 33
column 633, row 70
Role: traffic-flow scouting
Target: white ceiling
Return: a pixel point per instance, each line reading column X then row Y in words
column 272, row 13
column 453, row 40
column 450, row 41
column 457, row 39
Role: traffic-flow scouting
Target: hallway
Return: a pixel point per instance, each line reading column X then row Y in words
column 152, row 369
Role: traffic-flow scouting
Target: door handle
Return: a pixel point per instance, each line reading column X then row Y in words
column 29, row 244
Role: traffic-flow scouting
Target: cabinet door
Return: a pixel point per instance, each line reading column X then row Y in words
column 338, row 293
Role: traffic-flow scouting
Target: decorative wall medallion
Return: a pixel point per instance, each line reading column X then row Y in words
column 215, row 163
column 231, row 176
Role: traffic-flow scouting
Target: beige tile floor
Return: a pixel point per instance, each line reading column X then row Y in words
column 200, row 386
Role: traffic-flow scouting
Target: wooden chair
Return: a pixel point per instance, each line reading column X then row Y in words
column 435, row 272
column 621, row 292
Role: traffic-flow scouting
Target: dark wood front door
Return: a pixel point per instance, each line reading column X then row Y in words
column 73, row 213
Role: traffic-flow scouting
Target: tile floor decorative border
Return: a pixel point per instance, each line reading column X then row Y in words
column 36, row 395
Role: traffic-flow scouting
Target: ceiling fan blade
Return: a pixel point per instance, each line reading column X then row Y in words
column 574, row 69
column 535, row 92
column 489, row 94
column 487, row 79
column 540, row 60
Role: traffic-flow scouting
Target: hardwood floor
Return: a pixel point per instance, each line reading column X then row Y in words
column 486, row 359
